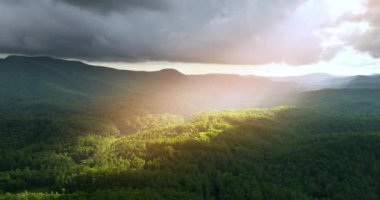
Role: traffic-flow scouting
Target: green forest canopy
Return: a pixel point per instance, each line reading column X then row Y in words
column 280, row 153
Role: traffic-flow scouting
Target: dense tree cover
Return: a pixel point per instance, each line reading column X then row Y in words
column 73, row 131
column 280, row 153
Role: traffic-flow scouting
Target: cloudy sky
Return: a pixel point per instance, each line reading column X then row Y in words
column 264, row 37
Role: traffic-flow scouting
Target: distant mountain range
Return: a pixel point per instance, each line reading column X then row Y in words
column 49, row 80
column 45, row 80
column 315, row 80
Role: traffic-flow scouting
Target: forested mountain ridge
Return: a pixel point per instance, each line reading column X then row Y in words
column 372, row 81
column 31, row 80
column 44, row 86
column 50, row 81
column 35, row 77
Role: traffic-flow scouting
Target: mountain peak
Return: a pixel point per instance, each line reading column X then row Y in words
column 37, row 59
column 170, row 72
column 19, row 57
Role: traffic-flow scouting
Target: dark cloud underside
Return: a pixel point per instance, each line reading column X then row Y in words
column 204, row 31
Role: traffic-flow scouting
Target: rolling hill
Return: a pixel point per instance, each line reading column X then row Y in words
column 44, row 80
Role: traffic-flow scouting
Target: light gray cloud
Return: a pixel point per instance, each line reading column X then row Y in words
column 204, row 31
column 369, row 41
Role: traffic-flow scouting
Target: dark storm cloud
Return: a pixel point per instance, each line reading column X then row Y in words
column 205, row 31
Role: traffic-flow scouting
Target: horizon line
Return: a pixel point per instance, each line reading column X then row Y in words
column 144, row 67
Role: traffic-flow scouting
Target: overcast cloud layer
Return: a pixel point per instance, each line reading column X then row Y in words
column 203, row 31
column 369, row 41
